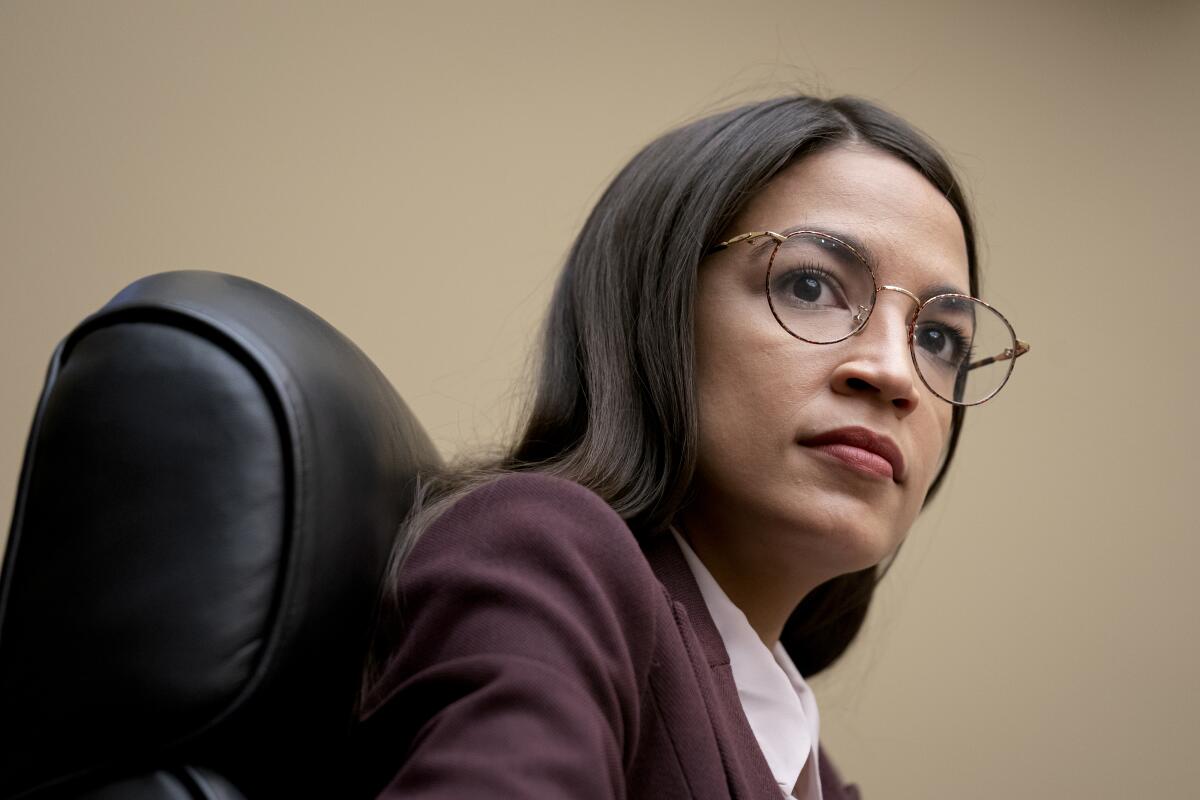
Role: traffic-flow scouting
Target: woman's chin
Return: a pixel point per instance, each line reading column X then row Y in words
column 847, row 539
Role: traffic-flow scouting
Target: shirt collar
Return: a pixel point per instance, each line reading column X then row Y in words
column 778, row 704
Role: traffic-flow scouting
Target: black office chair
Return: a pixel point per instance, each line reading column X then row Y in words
column 211, row 487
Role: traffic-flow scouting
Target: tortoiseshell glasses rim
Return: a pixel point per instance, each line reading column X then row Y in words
column 1018, row 349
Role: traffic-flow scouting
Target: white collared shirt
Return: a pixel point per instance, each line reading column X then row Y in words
column 779, row 705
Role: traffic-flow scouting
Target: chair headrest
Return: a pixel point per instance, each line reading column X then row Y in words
column 212, row 484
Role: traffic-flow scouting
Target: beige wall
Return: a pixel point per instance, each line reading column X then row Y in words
column 1038, row 637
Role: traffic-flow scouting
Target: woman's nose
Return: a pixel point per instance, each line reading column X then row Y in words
column 878, row 361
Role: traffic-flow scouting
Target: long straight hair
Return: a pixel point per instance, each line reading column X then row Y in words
column 615, row 402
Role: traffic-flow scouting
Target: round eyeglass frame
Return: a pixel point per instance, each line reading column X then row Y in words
column 1018, row 349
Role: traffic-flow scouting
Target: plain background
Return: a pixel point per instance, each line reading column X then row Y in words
column 414, row 172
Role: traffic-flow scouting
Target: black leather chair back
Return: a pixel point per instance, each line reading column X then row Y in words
column 211, row 487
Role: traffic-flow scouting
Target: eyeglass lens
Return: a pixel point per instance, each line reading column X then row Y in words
column 821, row 291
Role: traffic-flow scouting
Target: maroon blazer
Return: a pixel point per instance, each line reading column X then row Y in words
column 548, row 654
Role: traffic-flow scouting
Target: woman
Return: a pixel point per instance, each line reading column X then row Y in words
column 754, row 374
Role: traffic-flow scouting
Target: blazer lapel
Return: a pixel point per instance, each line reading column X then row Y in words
column 746, row 769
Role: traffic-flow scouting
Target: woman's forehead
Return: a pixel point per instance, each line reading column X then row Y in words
column 874, row 198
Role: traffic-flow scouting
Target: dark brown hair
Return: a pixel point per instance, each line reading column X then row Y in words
column 615, row 402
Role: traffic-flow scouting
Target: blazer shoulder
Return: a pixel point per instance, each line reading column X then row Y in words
column 542, row 556
column 528, row 621
column 536, row 522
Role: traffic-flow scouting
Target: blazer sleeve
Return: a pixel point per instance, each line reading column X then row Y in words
column 529, row 628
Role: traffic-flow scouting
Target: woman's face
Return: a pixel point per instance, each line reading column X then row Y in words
column 770, row 500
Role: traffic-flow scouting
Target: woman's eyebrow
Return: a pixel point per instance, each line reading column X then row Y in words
column 944, row 288
column 863, row 250
column 854, row 243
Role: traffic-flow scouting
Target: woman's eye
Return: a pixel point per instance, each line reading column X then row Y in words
column 813, row 287
column 943, row 343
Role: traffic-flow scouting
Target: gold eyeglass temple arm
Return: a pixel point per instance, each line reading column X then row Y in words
column 746, row 237
column 1021, row 349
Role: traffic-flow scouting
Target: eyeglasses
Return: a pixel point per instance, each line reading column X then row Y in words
column 822, row 291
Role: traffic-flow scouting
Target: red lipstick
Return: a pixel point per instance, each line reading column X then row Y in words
column 862, row 450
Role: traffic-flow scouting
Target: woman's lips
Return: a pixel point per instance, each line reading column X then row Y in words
column 862, row 449
column 859, row 459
